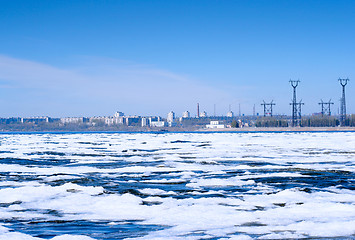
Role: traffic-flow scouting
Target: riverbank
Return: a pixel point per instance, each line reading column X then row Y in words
column 182, row 130
column 282, row 129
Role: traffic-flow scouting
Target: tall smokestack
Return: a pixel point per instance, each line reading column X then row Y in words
column 198, row 110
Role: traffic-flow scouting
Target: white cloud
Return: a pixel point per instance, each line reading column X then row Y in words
column 99, row 86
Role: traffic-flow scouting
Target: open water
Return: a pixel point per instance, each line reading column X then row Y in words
column 177, row 186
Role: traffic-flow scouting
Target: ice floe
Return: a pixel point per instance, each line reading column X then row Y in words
column 177, row 186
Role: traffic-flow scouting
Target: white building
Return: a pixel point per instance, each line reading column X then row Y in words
column 230, row 114
column 109, row 121
column 151, row 119
column 97, row 119
column 35, row 119
column 203, row 114
column 118, row 114
column 186, row 114
column 113, row 120
column 72, row 120
column 215, row 124
column 171, row 117
column 144, row 122
column 118, row 120
column 157, row 124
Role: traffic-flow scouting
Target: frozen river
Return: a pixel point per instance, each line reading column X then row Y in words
column 177, row 186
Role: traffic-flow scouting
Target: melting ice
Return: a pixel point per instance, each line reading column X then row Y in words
column 177, row 186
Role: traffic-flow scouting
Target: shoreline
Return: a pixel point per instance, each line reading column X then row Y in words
column 285, row 129
column 200, row 130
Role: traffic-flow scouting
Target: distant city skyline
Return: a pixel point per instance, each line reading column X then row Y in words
column 81, row 58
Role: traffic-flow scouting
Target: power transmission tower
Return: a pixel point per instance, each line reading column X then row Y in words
column 296, row 107
column 326, row 107
column 268, row 108
column 343, row 83
column 299, row 110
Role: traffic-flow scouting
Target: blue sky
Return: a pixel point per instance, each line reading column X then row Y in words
column 75, row 58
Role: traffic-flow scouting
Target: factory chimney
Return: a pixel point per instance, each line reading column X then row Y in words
column 198, row 110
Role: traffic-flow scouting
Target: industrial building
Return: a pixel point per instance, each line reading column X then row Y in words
column 215, row 124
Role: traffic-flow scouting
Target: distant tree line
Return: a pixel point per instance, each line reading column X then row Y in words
column 271, row 122
column 327, row 121
column 306, row 121
column 350, row 120
column 319, row 121
column 235, row 124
